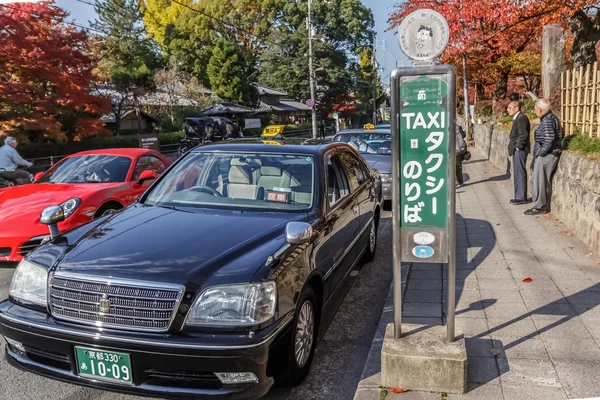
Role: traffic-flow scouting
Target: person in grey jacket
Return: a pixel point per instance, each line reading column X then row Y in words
column 546, row 152
column 10, row 161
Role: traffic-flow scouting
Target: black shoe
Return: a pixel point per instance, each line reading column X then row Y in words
column 535, row 211
column 517, row 202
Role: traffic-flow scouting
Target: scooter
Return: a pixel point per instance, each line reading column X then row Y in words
column 6, row 182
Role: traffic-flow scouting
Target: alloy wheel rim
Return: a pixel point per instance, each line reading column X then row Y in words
column 305, row 328
column 372, row 237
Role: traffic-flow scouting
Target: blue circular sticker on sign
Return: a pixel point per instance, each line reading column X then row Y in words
column 423, row 252
column 310, row 103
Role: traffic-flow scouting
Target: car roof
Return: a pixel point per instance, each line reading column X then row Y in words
column 124, row 152
column 293, row 146
column 355, row 131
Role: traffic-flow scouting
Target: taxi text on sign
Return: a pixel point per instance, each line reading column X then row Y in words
column 424, row 129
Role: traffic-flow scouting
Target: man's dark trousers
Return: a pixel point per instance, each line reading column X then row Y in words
column 518, row 148
column 519, row 161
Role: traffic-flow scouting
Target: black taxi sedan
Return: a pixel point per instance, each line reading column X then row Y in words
column 210, row 285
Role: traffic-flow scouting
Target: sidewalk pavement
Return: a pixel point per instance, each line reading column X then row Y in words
column 528, row 301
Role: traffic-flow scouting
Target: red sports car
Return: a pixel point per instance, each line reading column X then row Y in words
column 87, row 185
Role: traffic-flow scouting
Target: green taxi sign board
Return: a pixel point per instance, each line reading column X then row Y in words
column 424, row 153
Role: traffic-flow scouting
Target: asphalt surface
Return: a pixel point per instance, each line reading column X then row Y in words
column 345, row 336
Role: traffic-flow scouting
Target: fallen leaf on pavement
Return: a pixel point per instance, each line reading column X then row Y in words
column 396, row 390
column 495, row 352
column 508, row 268
column 569, row 234
column 497, row 224
column 588, row 255
column 597, row 262
column 527, row 280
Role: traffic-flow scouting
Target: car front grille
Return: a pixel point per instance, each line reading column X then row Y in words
column 129, row 305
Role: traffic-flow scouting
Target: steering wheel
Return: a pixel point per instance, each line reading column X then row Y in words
column 206, row 189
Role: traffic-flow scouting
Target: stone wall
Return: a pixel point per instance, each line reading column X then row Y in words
column 576, row 197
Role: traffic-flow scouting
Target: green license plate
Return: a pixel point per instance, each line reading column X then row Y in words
column 102, row 364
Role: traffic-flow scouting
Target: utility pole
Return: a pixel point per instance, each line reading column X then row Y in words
column 311, row 73
column 374, row 80
column 466, row 92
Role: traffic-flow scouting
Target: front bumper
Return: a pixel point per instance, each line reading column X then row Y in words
column 165, row 366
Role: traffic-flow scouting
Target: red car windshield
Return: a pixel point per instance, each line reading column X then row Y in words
column 88, row 169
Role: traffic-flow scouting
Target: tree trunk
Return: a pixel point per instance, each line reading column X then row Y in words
column 118, row 118
column 502, row 85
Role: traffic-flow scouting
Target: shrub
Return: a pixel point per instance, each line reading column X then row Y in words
column 583, row 145
column 483, row 109
column 499, row 108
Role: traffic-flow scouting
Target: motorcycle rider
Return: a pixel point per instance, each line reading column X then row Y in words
column 10, row 161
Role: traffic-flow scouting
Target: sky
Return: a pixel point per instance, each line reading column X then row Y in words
column 387, row 53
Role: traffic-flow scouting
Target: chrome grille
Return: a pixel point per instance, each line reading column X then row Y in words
column 143, row 306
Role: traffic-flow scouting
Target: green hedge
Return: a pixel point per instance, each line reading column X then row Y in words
column 583, row 145
column 41, row 150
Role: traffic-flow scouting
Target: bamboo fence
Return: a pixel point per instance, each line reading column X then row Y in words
column 580, row 98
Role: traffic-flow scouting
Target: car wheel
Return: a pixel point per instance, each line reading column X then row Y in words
column 372, row 246
column 304, row 337
column 107, row 209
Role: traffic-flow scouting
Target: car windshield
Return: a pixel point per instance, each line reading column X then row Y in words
column 238, row 181
column 88, row 169
column 373, row 146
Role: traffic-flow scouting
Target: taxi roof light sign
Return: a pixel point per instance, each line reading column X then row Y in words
column 369, row 127
column 273, row 131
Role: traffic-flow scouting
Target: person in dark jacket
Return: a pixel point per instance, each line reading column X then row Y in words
column 461, row 150
column 546, row 152
column 518, row 149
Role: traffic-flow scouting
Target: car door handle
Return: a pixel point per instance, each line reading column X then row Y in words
column 355, row 209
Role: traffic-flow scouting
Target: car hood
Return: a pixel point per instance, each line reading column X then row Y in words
column 190, row 248
column 381, row 163
column 21, row 206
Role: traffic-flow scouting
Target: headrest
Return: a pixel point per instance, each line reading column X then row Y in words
column 245, row 162
column 240, row 174
column 271, row 171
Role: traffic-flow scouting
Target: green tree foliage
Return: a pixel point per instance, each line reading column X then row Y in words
column 342, row 30
column 226, row 71
column 127, row 55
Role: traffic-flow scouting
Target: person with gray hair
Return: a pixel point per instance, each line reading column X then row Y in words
column 10, row 161
column 546, row 152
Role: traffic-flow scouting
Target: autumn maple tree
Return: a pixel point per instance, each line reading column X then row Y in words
column 45, row 74
column 489, row 31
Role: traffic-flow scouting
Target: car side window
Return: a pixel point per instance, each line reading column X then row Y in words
column 355, row 170
column 148, row 163
column 337, row 181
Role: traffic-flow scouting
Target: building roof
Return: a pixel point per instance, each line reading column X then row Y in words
column 264, row 90
column 227, row 108
column 282, row 105
column 111, row 119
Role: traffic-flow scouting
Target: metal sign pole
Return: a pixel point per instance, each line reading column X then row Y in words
column 424, row 176
column 396, row 244
column 450, row 316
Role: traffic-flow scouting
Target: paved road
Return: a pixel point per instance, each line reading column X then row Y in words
column 345, row 339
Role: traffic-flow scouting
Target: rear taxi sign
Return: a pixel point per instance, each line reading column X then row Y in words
column 369, row 127
column 273, row 131
column 272, row 142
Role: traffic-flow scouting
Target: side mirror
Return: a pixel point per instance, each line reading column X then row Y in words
column 147, row 175
column 51, row 216
column 298, row 232
column 37, row 176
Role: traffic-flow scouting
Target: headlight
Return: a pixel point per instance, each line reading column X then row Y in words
column 29, row 284
column 386, row 178
column 70, row 206
column 234, row 305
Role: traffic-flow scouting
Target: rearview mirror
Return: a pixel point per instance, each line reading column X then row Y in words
column 51, row 216
column 298, row 232
column 147, row 175
column 38, row 176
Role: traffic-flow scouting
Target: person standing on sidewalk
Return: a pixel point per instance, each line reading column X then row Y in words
column 546, row 153
column 10, row 161
column 518, row 149
column 461, row 150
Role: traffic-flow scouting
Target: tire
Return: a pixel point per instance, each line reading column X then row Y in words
column 372, row 246
column 107, row 209
column 305, row 333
